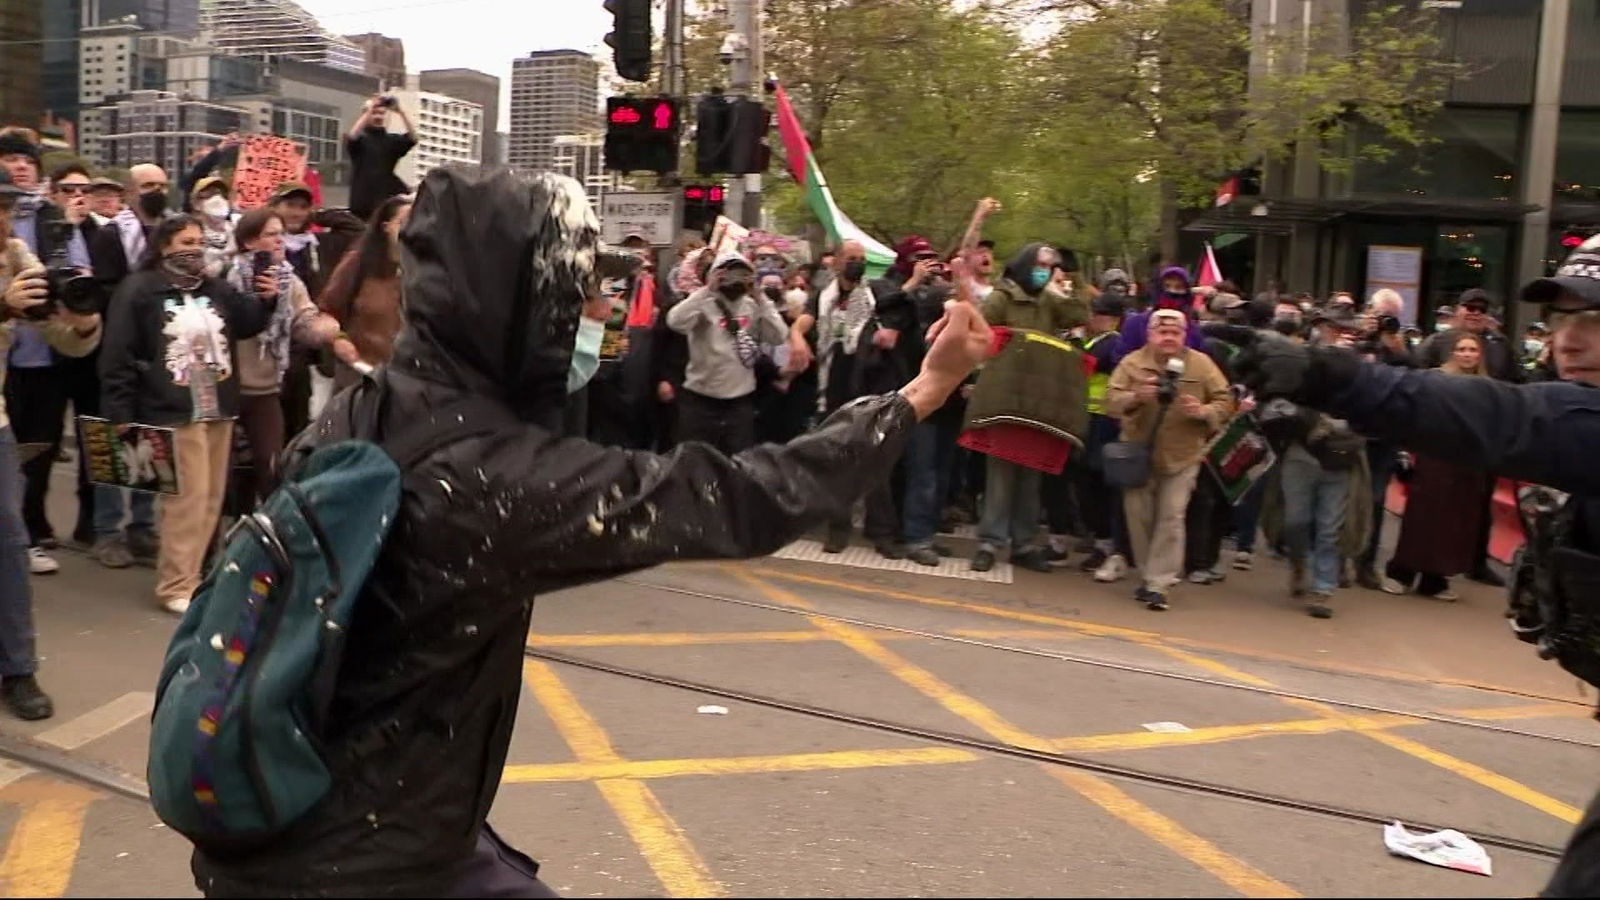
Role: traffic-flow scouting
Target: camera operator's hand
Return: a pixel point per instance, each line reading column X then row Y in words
column 885, row 338
column 1149, row 389
column 27, row 290
column 266, row 287
column 919, row 274
column 665, row 392
column 1191, row 406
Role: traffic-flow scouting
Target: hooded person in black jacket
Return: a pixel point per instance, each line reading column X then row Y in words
column 495, row 270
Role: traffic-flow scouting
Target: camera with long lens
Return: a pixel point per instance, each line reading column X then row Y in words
column 1167, row 389
column 1372, row 341
column 70, row 288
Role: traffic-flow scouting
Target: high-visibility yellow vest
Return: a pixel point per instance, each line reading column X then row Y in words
column 1100, row 381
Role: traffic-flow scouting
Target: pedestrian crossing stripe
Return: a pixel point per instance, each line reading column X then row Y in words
column 868, row 558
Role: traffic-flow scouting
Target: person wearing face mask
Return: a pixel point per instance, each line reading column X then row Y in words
column 1171, row 291
column 839, row 315
column 22, row 283
column 263, row 361
column 117, row 250
column 1022, row 300
column 726, row 322
column 214, row 209
column 363, row 293
column 302, row 250
column 170, row 359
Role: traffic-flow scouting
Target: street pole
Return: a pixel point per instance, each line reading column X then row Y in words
column 1539, row 161
column 673, row 84
column 749, row 74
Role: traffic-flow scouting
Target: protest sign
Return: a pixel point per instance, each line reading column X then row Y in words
column 1239, row 456
column 265, row 162
column 141, row 458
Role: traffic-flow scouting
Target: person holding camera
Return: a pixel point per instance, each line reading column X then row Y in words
column 1170, row 397
column 171, row 360
column 26, row 291
column 1384, row 344
column 374, row 152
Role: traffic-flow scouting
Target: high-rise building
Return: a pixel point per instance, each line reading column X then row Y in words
column 158, row 127
column 179, row 18
column 202, row 73
column 119, row 59
column 21, row 26
column 274, row 30
column 385, row 57
column 582, row 158
column 449, row 132
column 553, row 92
column 474, row 87
column 62, row 54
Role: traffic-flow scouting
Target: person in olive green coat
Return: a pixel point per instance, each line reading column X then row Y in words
column 1023, row 299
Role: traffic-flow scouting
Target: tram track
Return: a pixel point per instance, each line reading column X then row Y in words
column 1012, row 751
column 1128, row 668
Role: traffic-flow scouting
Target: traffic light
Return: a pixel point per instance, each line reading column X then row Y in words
column 642, row 135
column 713, row 115
column 702, row 203
column 748, row 151
column 630, row 38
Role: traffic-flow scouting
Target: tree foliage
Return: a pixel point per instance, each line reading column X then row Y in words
column 1093, row 121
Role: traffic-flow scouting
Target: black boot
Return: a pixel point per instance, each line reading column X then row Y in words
column 24, row 698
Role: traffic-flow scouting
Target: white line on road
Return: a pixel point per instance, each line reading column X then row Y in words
column 97, row 723
column 12, row 771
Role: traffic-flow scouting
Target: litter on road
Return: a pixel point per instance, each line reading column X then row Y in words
column 1449, row 848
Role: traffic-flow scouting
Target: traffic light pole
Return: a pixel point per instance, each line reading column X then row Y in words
column 749, row 72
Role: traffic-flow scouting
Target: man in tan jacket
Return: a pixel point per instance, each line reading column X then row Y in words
column 1200, row 405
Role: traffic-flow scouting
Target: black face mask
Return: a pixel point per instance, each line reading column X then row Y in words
column 153, row 204
column 855, row 270
column 773, row 294
column 1286, row 326
column 733, row 290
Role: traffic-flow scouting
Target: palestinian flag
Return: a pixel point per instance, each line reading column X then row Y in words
column 803, row 166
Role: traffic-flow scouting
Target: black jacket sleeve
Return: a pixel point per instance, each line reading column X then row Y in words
column 121, row 352
column 588, row 513
column 247, row 315
column 106, row 255
column 1542, row 433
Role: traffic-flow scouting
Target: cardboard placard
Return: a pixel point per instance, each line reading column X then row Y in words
column 141, row 458
column 265, row 162
column 1239, row 456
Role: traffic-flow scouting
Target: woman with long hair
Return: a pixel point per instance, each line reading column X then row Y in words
column 170, row 358
column 264, row 359
column 1446, row 505
column 363, row 293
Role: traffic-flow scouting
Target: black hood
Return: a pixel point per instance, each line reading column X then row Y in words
column 1020, row 269
column 496, row 266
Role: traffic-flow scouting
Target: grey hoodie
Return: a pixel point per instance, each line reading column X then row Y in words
column 715, row 369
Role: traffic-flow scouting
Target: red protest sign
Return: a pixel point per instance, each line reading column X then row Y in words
column 265, row 162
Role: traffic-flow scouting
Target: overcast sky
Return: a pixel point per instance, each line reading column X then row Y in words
column 473, row 34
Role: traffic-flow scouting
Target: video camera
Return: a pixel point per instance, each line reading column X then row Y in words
column 70, row 288
column 1167, row 391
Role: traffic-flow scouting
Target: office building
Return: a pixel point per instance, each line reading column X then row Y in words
column 119, row 59
column 315, row 105
column 449, row 132
column 179, row 18
column 582, row 157
column 275, row 30
column 202, row 73
column 62, row 57
column 553, row 92
column 155, row 126
column 385, row 57
column 1486, row 204
column 21, row 26
column 474, row 87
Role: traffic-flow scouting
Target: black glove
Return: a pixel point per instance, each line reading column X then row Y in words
column 1275, row 366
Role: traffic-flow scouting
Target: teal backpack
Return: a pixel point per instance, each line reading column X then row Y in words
column 236, row 755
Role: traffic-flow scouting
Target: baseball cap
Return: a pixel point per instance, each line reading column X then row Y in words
column 291, row 188
column 1175, row 316
column 206, row 184
column 106, row 184
column 1224, row 300
column 1474, row 298
column 1579, row 276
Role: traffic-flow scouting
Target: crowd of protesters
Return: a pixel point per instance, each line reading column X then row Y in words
column 214, row 317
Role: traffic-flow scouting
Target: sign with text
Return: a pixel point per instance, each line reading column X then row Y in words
column 728, row 236
column 652, row 216
column 139, row 457
column 265, row 162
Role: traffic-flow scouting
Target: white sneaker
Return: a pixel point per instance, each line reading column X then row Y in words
column 177, row 607
column 1244, row 561
column 1113, row 569
column 1390, row 586
column 41, row 563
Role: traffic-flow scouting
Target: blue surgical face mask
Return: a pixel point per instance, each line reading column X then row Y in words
column 1039, row 277
column 585, row 354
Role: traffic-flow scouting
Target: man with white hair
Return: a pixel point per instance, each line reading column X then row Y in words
column 1385, row 344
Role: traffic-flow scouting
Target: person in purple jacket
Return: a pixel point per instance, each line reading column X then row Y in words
column 1171, row 292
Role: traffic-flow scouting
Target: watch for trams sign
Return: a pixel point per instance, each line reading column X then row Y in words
column 652, row 216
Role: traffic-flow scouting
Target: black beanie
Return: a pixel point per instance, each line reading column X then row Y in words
column 15, row 143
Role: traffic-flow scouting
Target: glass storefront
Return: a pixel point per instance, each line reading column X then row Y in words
column 1475, row 156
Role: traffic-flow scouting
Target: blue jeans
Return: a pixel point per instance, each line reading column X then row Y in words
column 927, row 461
column 16, row 595
column 1010, row 506
column 1247, row 517
column 1313, row 517
column 111, row 502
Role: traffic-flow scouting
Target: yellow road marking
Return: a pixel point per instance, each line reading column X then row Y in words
column 1217, row 734
column 1097, row 630
column 1492, row 780
column 736, row 765
column 1236, row 873
column 44, row 843
column 665, row 847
